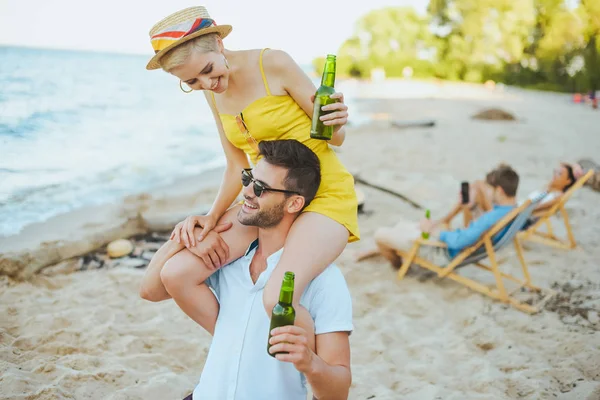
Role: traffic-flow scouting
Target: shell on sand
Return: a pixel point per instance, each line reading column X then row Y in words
column 119, row 248
column 494, row 114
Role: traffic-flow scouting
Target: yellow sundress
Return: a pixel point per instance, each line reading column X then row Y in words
column 274, row 117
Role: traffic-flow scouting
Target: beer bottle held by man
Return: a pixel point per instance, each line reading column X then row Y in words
column 425, row 235
column 283, row 312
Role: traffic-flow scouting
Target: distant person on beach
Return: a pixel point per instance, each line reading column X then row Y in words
column 284, row 182
column 254, row 95
column 481, row 195
column 402, row 236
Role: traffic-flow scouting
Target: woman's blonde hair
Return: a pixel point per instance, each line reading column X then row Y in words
column 180, row 54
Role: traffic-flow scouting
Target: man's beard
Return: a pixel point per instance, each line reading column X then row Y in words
column 263, row 219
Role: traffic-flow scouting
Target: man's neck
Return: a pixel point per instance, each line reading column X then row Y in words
column 271, row 240
column 507, row 201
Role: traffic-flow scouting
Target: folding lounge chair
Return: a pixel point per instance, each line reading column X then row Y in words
column 548, row 238
column 486, row 247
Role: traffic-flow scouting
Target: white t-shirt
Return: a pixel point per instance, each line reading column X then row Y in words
column 550, row 196
column 238, row 366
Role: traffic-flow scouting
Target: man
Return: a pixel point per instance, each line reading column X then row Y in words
column 282, row 184
column 401, row 237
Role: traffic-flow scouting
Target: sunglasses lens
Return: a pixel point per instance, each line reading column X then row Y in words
column 246, row 178
column 258, row 189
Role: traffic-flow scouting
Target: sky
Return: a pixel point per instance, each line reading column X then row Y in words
column 305, row 29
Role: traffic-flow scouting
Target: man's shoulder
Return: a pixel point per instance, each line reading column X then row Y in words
column 329, row 302
column 330, row 282
column 331, row 274
column 498, row 211
column 491, row 217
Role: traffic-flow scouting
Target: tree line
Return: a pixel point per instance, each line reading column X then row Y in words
column 542, row 44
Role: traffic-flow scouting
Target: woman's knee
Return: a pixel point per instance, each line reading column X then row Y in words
column 183, row 269
column 382, row 237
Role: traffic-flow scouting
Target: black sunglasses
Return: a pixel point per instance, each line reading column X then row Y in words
column 260, row 187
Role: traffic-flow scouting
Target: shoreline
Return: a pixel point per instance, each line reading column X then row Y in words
column 86, row 229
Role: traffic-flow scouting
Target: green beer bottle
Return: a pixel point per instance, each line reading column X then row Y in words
column 425, row 235
column 283, row 312
column 322, row 98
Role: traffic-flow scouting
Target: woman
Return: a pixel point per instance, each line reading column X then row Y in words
column 254, row 95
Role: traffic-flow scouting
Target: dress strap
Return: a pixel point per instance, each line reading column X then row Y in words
column 262, row 72
column 212, row 95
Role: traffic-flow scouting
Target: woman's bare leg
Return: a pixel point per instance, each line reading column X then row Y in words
column 388, row 252
column 482, row 198
column 452, row 214
column 313, row 243
column 366, row 254
column 183, row 275
column 152, row 288
column 197, row 301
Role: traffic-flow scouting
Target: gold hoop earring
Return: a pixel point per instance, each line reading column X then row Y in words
column 182, row 89
column 226, row 63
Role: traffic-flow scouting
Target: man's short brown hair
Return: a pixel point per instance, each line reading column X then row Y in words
column 302, row 164
column 491, row 176
column 508, row 179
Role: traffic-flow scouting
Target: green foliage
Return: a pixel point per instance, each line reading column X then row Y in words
column 545, row 44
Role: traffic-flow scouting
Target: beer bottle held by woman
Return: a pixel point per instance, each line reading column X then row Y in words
column 322, row 98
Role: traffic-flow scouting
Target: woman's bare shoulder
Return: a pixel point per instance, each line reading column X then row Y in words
column 277, row 60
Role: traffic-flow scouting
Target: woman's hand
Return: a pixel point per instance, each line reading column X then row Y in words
column 338, row 116
column 213, row 250
column 184, row 231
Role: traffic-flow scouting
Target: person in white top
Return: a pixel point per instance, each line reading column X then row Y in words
column 238, row 367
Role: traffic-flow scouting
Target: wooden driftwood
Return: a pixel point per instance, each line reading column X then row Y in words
column 360, row 180
column 425, row 123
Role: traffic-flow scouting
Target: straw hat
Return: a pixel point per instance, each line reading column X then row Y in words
column 180, row 27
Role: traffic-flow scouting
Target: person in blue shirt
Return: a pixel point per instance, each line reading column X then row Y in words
column 401, row 236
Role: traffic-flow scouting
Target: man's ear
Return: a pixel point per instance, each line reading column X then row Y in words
column 502, row 192
column 295, row 204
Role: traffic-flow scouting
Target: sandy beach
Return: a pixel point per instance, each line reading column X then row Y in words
column 88, row 335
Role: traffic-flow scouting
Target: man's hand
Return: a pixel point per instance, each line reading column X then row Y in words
column 294, row 340
column 213, row 250
column 427, row 225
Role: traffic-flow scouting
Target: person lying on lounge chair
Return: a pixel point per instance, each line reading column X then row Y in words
column 481, row 199
column 402, row 236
